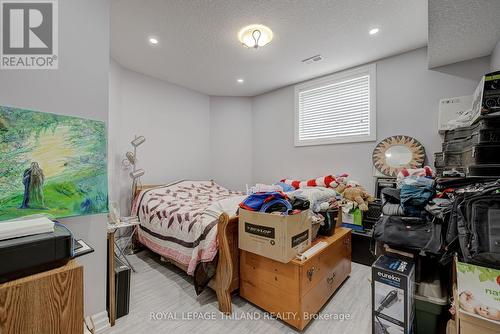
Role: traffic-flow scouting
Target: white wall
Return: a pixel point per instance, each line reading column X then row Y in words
column 78, row 88
column 175, row 122
column 495, row 58
column 407, row 103
column 231, row 141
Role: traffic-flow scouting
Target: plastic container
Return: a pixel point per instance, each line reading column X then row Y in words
column 328, row 227
column 430, row 314
column 486, row 123
column 482, row 136
column 483, row 171
column 481, row 154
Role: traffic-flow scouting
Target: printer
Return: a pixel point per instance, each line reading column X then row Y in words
column 26, row 255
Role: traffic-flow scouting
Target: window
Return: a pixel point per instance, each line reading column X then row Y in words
column 339, row 108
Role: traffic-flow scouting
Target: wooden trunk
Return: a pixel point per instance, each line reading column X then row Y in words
column 299, row 288
column 48, row 302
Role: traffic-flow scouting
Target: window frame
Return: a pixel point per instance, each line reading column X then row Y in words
column 331, row 79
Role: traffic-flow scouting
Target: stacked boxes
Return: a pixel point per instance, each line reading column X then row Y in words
column 471, row 150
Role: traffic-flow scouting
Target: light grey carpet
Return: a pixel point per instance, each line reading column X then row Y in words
column 161, row 292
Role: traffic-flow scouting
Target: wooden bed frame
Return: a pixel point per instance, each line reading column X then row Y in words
column 226, row 278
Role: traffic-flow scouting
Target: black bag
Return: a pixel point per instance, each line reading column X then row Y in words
column 475, row 223
column 409, row 232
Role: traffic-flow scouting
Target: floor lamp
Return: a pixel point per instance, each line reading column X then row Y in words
column 136, row 173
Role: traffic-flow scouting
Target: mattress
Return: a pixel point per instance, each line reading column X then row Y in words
column 179, row 221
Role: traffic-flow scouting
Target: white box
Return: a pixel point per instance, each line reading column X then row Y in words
column 451, row 109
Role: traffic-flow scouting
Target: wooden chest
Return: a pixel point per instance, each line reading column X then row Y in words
column 298, row 288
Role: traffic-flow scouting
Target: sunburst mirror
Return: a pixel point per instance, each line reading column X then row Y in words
column 397, row 152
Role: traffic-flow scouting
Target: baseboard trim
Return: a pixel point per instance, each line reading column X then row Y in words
column 98, row 322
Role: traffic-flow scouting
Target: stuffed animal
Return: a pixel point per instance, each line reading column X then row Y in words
column 358, row 195
column 328, row 181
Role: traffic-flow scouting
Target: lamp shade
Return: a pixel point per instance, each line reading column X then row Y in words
column 137, row 174
column 255, row 36
column 138, row 141
column 131, row 157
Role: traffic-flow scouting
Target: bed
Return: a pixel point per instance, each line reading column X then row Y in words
column 193, row 225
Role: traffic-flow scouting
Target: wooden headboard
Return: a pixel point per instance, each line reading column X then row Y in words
column 138, row 189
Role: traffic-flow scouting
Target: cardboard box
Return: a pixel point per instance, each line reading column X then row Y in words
column 479, row 292
column 473, row 325
column 274, row 236
column 353, row 220
column 393, row 302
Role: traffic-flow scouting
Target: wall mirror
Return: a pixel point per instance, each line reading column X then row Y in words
column 397, row 152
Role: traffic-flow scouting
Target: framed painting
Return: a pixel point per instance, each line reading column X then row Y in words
column 51, row 164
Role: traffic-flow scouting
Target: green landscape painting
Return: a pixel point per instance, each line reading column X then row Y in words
column 51, row 164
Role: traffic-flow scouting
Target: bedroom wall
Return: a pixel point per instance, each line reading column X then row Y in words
column 175, row 122
column 495, row 58
column 407, row 103
column 231, row 141
column 78, row 88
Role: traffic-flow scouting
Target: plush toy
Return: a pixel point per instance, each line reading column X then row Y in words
column 358, row 195
column 328, row 181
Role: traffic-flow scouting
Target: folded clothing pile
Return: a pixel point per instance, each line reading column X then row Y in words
column 406, row 221
column 274, row 202
column 410, row 199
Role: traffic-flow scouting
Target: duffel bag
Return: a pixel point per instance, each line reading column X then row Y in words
column 409, row 232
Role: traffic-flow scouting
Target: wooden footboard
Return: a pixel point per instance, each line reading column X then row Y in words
column 226, row 279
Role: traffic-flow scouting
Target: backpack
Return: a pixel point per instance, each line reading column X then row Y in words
column 475, row 223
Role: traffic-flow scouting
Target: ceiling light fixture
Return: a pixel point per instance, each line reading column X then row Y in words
column 373, row 31
column 153, row 41
column 255, row 36
column 240, row 80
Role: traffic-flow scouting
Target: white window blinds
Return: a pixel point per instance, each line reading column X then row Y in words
column 335, row 109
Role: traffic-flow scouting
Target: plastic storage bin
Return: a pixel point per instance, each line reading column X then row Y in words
column 430, row 315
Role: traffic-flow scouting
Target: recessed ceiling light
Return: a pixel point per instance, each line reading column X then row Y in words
column 240, row 80
column 153, row 41
column 373, row 31
column 255, row 36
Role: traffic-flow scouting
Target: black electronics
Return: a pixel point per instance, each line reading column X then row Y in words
column 361, row 242
column 486, row 97
column 373, row 214
column 384, row 182
column 122, row 288
column 491, row 92
column 32, row 254
column 390, row 299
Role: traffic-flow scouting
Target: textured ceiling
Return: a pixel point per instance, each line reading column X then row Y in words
column 462, row 29
column 199, row 48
